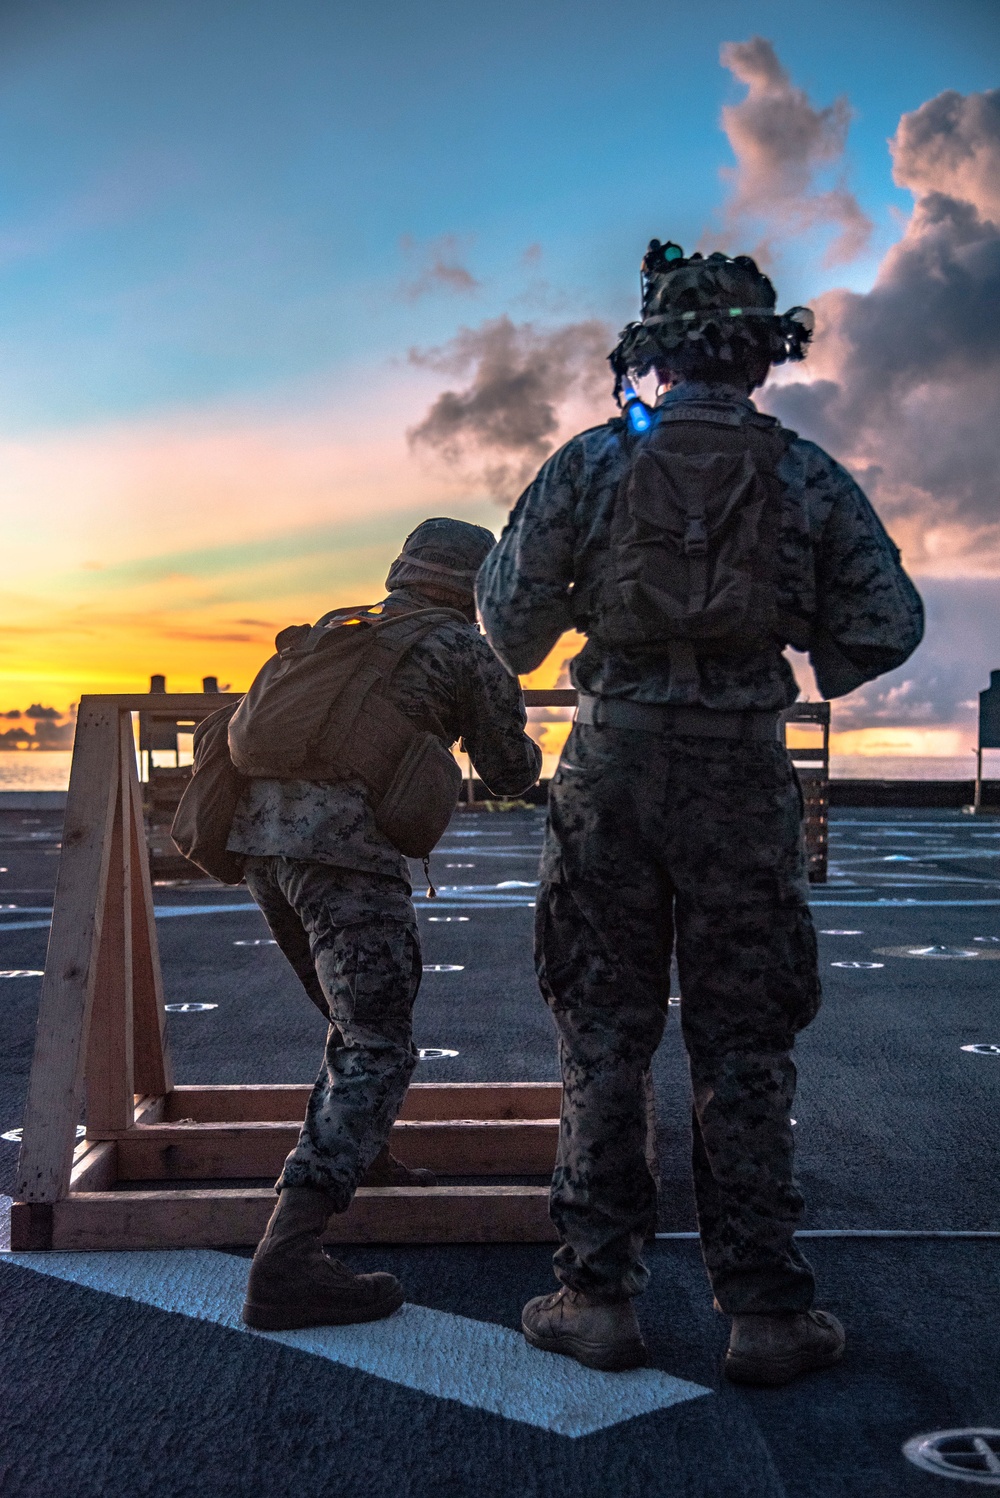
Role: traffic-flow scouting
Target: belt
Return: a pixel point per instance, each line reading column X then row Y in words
column 666, row 717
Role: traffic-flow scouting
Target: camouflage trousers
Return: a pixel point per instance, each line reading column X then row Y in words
column 353, row 942
column 654, row 839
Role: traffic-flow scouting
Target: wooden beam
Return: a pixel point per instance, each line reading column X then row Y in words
column 95, row 1167
column 218, row 1219
column 455, row 1100
column 550, row 697
column 168, row 705
column 56, row 1084
column 153, row 1070
column 264, row 1102
column 30, row 1226
column 249, row 1151
column 149, row 1110
column 109, row 1085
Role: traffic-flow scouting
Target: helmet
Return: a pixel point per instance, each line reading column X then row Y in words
column 719, row 308
column 444, row 554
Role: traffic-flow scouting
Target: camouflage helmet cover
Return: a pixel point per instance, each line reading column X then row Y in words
column 445, row 553
column 720, row 307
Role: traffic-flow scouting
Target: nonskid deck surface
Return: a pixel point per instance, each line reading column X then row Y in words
column 117, row 1385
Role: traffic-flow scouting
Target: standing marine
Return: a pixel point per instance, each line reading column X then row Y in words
column 335, row 892
column 690, row 544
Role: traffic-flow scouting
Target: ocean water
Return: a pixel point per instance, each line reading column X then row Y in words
column 48, row 770
column 35, row 769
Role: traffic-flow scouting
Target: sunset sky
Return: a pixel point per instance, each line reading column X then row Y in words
column 245, row 248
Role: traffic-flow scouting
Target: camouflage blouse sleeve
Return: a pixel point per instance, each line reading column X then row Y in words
column 524, row 586
column 869, row 617
column 493, row 718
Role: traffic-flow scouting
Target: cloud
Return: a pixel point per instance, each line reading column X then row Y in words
column 938, row 686
column 905, row 379
column 441, row 269
column 37, row 711
column 505, row 420
column 783, row 144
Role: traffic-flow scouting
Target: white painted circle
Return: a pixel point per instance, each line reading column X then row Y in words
column 460, row 866
column 261, row 941
column 188, row 1008
column 22, row 972
column 857, row 964
column 992, row 940
column 444, row 967
column 939, row 953
column 517, row 884
column 434, row 1053
column 836, row 931
column 446, row 920
column 13, row 1136
column 983, row 1048
column 967, row 1455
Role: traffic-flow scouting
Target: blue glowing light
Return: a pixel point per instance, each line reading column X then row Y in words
column 638, row 415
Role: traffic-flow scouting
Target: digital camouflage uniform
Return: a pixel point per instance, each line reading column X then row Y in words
column 661, row 840
column 336, row 895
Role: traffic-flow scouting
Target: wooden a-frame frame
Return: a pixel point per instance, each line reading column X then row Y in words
column 101, row 1041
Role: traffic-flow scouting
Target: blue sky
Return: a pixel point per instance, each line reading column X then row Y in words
column 200, row 200
column 219, row 222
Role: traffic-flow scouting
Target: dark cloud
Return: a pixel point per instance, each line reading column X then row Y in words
column 15, row 712
column 37, row 711
column 504, row 422
column 440, row 268
column 905, row 383
column 783, row 145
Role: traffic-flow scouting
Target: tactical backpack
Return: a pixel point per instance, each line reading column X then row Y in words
column 316, row 711
column 693, row 542
column 204, row 816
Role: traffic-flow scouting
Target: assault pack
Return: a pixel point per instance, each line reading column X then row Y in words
column 317, row 711
column 694, row 535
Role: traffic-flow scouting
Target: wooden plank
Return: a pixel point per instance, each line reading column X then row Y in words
column 153, row 1070
column 425, row 1100
column 149, row 1110
column 225, row 1103
column 550, row 697
column 455, row 1100
column 109, row 1085
column 30, row 1226
column 236, row 1218
column 168, row 705
column 56, row 1084
column 220, row 1151
column 95, row 1167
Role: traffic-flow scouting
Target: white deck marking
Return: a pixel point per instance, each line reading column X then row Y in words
column 478, row 1364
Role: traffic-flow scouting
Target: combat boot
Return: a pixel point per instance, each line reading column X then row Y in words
column 386, row 1170
column 294, row 1283
column 599, row 1335
column 772, row 1350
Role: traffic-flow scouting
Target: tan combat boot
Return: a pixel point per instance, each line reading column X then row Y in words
column 292, row 1281
column 772, row 1350
column 386, row 1170
column 599, row 1335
